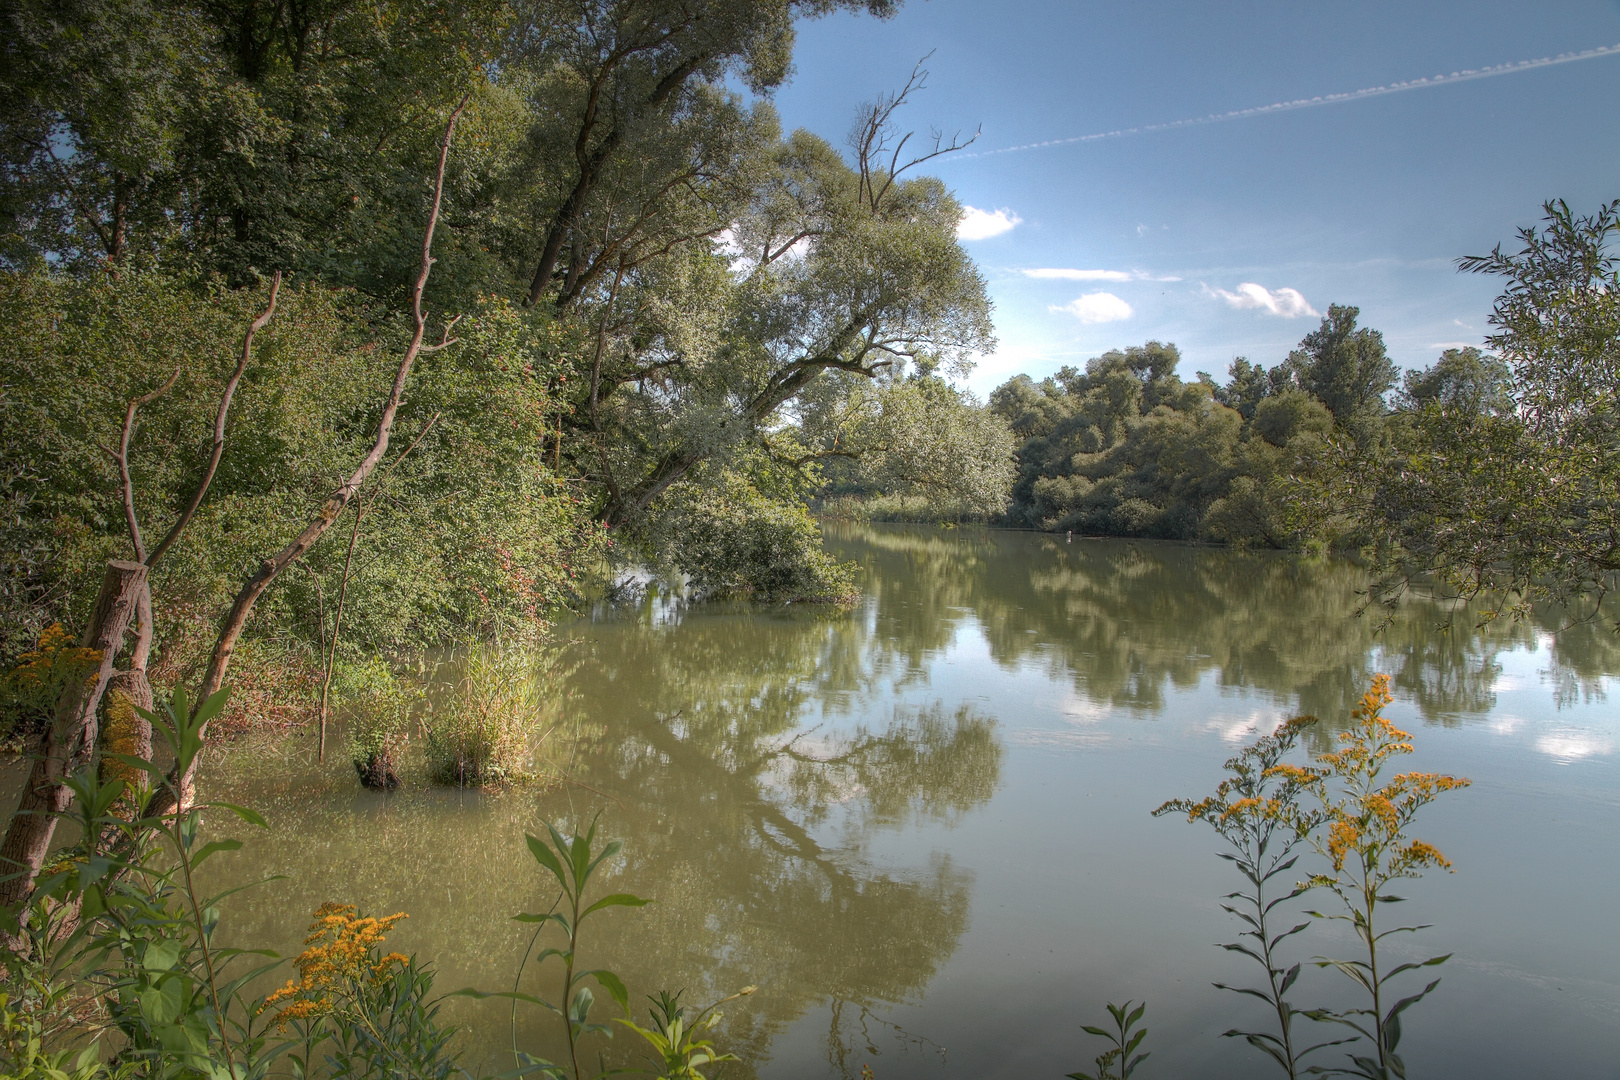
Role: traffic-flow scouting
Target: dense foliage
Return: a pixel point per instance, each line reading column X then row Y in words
column 618, row 173
column 466, row 527
column 1127, row 448
column 1274, row 457
column 1504, row 481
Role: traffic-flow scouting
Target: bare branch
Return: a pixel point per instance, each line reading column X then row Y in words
column 271, row 568
column 121, row 455
column 874, row 129
column 219, row 427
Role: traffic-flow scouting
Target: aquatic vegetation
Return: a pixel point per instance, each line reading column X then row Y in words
column 378, row 705
column 675, row 1038
column 1116, row 1063
column 1255, row 810
column 571, row 862
column 501, row 706
column 119, row 940
column 1368, row 848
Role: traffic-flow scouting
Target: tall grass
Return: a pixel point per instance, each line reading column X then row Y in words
column 502, row 706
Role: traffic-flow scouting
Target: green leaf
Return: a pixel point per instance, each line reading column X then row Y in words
column 544, row 857
column 615, row 988
column 252, row 817
column 210, row 708
column 212, row 847
column 612, row 848
column 615, row 900
column 510, row 995
column 160, row 955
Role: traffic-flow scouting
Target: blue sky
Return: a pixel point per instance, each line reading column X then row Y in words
column 1224, row 237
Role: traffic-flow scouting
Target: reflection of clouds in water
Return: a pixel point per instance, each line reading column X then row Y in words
column 1567, row 745
column 1506, row 723
column 1083, row 717
column 1083, row 711
column 1240, row 729
column 1564, row 744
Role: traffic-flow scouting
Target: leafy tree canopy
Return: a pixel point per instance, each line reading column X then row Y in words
column 1505, row 482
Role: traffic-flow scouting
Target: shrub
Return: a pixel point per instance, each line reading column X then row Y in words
column 378, row 707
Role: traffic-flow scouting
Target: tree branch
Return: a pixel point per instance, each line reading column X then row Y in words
column 219, row 427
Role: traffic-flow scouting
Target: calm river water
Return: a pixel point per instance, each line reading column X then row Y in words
column 923, row 827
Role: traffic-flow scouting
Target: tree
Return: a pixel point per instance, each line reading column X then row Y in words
column 634, row 131
column 1127, row 448
column 1246, row 385
column 236, row 137
column 71, row 739
column 1346, row 369
column 830, row 268
column 1520, row 503
column 1465, row 380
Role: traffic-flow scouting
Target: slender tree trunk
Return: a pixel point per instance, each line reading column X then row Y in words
column 337, row 625
column 70, row 744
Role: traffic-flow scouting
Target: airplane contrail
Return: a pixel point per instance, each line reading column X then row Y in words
column 1312, row 102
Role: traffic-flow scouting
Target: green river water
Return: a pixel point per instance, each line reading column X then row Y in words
column 923, row 827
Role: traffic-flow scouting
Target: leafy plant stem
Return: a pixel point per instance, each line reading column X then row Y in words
column 202, row 937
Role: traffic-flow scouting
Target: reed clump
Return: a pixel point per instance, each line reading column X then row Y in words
column 502, row 705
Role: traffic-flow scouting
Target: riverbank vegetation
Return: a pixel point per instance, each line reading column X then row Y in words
column 340, row 336
column 589, row 289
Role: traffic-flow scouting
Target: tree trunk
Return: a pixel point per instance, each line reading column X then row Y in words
column 70, row 744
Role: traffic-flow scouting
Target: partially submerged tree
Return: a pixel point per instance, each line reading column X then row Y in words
column 854, row 280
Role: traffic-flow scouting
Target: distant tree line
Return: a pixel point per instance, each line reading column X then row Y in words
column 1127, row 448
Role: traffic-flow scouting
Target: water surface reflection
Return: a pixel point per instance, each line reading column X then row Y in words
column 921, row 826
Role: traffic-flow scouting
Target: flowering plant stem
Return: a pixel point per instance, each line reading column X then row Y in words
column 1255, row 810
column 1368, row 848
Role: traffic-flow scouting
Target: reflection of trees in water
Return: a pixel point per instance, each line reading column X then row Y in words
column 1128, row 621
column 745, row 764
column 751, row 793
column 747, row 759
column 950, row 766
column 855, row 1032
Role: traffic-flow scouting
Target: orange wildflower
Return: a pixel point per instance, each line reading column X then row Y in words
column 343, row 947
column 51, row 666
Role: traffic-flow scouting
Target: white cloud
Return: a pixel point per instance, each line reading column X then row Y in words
column 1061, row 274
column 1097, row 307
column 1285, row 302
column 1451, row 345
column 979, row 224
column 1065, row 274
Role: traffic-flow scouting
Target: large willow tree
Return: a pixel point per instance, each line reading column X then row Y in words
column 728, row 305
